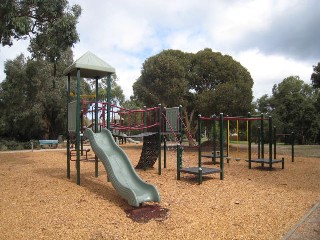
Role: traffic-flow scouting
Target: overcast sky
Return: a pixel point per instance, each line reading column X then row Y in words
column 273, row 39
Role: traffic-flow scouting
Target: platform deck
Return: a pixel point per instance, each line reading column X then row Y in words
column 266, row 161
column 195, row 170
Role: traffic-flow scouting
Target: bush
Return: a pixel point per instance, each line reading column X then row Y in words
column 11, row 145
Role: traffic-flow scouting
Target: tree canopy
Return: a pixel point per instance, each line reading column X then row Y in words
column 33, row 96
column 315, row 76
column 206, row 82
column 31, row 108
column 293, row 105
column 50, row 26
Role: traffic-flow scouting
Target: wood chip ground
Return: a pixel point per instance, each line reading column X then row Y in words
column 37, row 200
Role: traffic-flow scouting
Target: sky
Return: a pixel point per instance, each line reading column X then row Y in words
column 272, row 39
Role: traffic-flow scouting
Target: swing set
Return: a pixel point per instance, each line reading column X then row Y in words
column 271, row 160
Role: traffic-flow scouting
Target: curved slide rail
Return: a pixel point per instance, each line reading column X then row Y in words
column 120, row 170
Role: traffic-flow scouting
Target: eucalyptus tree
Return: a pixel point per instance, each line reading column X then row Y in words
column 50, row 26
column 315, row 76
column 30, row 108
column 206, row 82
column 294, row 104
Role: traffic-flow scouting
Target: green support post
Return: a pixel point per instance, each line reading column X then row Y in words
column 164, row 152
column 68, row 135
column 179, row 161
column 259, row 142
column 292, row 147
column 108, row 100
column 221, row 147
column 144, row 119
column 199, row 140
column 274, row 142
column 270, row 142
column 214, row 136
column 200, row 175
column 96, row 122
column 159, row 140
column 81, row 127
column 249, row 141
column 262, row 136
column 145, row 130
column 228, row 138
column 180, row 123
column 78, row 127
column 199, row 150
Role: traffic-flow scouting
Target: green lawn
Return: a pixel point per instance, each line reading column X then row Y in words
column 299, row 150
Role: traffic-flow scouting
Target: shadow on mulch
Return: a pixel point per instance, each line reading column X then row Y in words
column 145, row 213
column 266, row 168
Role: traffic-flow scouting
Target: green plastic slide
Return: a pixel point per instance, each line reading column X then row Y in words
column 120, row 171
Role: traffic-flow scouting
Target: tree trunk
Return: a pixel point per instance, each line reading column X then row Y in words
column 47, row 127
column 54, row 74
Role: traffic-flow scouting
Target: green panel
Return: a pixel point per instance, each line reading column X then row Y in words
column 72, row 113
column 172, row 123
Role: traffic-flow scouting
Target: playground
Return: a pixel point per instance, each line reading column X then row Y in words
column 88, row 187
column 39, row 202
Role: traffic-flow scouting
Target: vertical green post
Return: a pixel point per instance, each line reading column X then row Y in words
column 179, row 161
column 249, row 140
column 228, row 138
column 270, row 142
column 145, row 119
column 199, row 140
column 221, row 147
column 159, row 140
column 214, row 139
column 164, row 152
column 200, row 175
column 259, row 141
column 96, row 122
column 199, row 150
column 145, row 130
column 274, row 142
column 262, row 136
column 96, row 107
column 78, row 127
column 68, row 135
column 292, row 146
column 81, row 133
column 180, row 123
column 108, row 100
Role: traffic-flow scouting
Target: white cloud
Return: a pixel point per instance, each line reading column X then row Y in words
column 10, row 53
column 126, row 32
column 267, row 70
column 235, row 20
